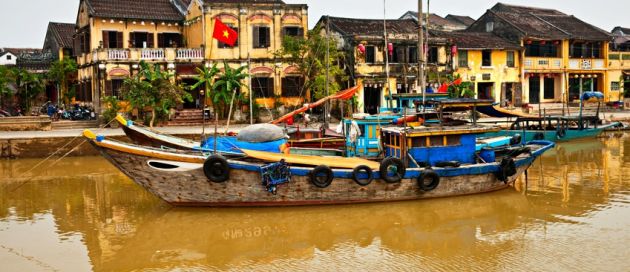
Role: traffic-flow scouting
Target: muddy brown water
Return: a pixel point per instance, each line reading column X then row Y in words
column 82, row 214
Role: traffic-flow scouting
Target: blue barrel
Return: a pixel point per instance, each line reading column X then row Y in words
column 487, row 154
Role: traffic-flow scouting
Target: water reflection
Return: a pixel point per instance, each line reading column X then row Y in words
column 574, row 198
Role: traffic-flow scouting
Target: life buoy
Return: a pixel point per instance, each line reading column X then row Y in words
column 399, row 170
column 454, row 164
column 432, row 177
column 507, row 168
column 216, row 169
column 356, row 172
column 560, row 133
column 321, row 176
column 539, row 136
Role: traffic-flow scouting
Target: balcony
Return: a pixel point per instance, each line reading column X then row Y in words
column 586, row 64
column 146, row 54
column 536, row 63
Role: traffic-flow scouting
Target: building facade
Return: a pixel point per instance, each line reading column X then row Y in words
column 562, row 55
column 619, row 63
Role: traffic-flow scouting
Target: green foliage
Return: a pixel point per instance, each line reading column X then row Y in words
column 113, row 108
column 7, row 78
column 309, row 55
column 60, row 72
column 29, row 85
column 228, row 82
column 205, row 78
column 463, row 90
column 152, row 88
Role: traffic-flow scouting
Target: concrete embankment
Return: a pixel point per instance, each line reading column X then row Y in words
column 41, row 144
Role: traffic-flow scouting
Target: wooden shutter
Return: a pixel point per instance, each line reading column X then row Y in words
column 150, row 40
column 267, row 37
column 301, row 32
column 256, row 36
column 161, row 41
column 76, row 45
column 270, row 87
column 119, row 40
column 132, row 40
column 105, row 39
column 108, row 88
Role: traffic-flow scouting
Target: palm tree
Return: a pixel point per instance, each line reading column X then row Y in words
column 226, row 86
column 153, row 88
column 60, row 72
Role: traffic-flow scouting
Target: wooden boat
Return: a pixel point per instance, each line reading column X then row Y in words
column 187, row 178
column 556, row 128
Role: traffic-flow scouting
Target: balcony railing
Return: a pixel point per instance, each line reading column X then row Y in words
column 117, row 54
column 542, row 63
column 586, row 64
column 151, row 54
column 189, row 53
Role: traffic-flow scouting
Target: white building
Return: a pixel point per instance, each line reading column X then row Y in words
column 7, row 58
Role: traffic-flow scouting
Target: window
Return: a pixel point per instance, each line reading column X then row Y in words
column 292, row 86
column 169, row 40
column 261, row 37
column 614, row 86
column 462, row 59
column 140, row 40
column 398, row 54
column 225, row 45
column 542, row 49
column 550, row 91
column 433, row 55
column 370, row 54
column 510, row 59
column 486, row 58
column 489, row 26
column 9, row 57
column 293, row 31
column 116, row 86
column 412, row 54
column 262, row 87
column 585, row 50
column 111, row 39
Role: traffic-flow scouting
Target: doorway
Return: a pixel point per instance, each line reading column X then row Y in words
column 197, row 98
column 534, row 90
column 485, row 90
column 550, row 88
column 371, row 99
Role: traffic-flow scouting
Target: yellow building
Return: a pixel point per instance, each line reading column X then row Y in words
column 365, row 62
column 619, row 64
column 492, row 64
column 114, row 36
column 562, row 55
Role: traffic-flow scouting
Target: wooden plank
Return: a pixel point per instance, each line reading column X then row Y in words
column 331, row 161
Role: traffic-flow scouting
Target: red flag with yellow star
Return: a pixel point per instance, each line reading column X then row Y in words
column 224, row 33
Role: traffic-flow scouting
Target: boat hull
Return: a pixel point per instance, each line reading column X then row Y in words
column 190, row 187
column 552, row 135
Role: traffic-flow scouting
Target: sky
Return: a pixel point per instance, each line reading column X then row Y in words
column 24, row 23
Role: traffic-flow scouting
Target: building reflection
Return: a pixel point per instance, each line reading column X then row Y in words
column 125, row 228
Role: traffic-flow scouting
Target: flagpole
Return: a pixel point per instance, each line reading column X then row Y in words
column 386, row 50
column 327, row 107
column 251, row 91
column 420, row 79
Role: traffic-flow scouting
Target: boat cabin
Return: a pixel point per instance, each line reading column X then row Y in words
column 433, row 145
column 406, row 102
column 363, row 135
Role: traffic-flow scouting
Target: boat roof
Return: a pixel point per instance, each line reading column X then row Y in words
column 440, row 130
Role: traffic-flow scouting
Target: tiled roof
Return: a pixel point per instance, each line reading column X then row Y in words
column 462, row 19
column 547, row 23
column 62, row 32
column 134, row 9
column 372, row 27
column 624, row 30
column 480, row 40
column 436, row 21
column 245, row 2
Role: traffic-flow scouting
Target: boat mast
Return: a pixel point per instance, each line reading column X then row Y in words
column 386, row 50
column 251, row 91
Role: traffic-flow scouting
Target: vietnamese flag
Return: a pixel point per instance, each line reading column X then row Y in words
column 443, row 88
column 224, row 33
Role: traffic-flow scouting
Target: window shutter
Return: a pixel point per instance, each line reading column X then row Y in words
column 267, row 37
column 76, row 45
column 119, row 40
column 161, row 41
column 178, row 40
column 256, row 36
column 108, row 88
column 270, row 87
column 105, row 39
column 150, row 40
column 132, row 39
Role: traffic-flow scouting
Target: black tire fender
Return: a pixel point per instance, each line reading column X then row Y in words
column 321, row 176
column 507, row 168
column 385, row 167
column 357, row 171
column 216, row 169
column 428, row 175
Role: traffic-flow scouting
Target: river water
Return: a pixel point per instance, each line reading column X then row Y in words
column 82, row 214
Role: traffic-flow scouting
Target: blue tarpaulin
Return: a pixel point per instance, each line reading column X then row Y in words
column 229, row 144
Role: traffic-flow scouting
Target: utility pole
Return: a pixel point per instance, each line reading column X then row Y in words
column 420, row 53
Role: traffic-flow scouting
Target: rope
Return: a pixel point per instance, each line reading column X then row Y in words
column 53, row 154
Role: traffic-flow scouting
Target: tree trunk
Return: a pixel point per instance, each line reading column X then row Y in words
column 152, row 117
